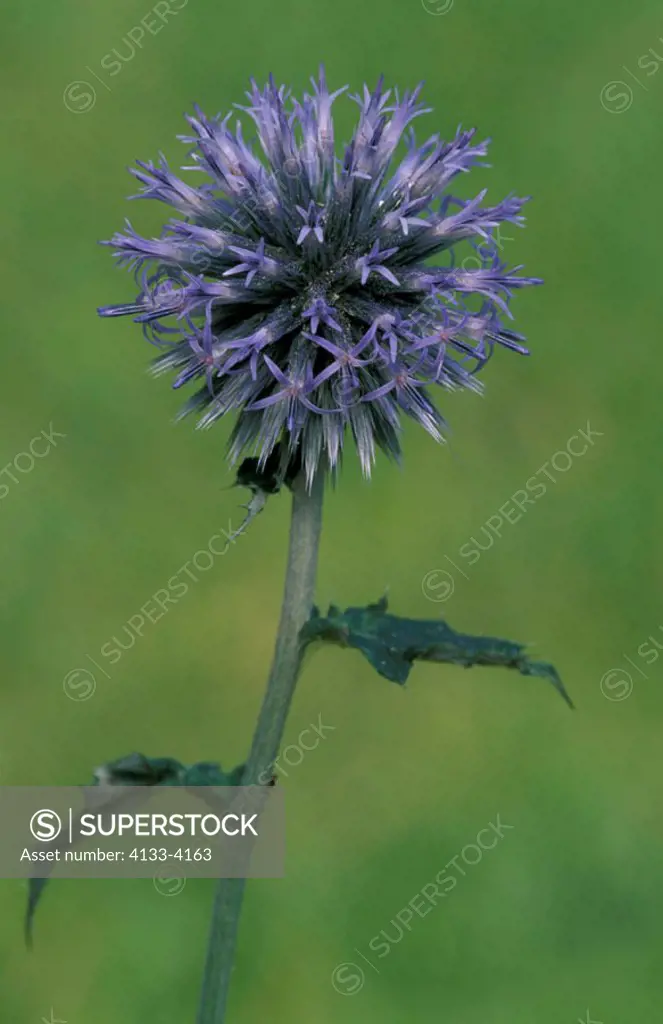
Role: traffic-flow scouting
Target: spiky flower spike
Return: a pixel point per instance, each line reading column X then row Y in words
column 300, row 280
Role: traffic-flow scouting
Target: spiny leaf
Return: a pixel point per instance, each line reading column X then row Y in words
column 391, row 643
column 136, row 770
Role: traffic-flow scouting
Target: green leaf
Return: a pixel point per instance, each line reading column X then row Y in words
column 391, row 643
column 137, row 770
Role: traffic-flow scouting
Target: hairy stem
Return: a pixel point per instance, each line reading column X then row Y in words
column 298, row 595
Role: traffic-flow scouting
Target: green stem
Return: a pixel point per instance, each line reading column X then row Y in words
column 298, row 595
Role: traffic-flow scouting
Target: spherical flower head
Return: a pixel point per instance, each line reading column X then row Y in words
column 295, row 285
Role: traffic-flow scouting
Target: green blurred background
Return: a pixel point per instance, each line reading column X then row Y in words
column 564, row 915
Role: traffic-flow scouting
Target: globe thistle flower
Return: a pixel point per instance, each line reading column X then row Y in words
column 295, row 285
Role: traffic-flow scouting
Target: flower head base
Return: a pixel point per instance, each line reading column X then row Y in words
column 295, row 287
